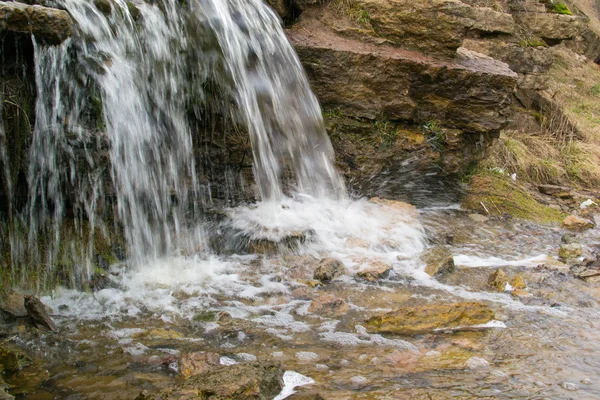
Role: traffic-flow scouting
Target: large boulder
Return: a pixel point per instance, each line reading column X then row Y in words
column 428, row 318
column 48, row 25
column 364, row 80
column 258, row 381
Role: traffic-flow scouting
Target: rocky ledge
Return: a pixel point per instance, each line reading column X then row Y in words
column 48, row 25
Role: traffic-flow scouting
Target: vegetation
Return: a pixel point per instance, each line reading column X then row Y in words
column 494, row 193
column 352, row 10
column 559, row 8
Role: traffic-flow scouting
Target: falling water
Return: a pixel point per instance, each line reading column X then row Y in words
column 145, row 69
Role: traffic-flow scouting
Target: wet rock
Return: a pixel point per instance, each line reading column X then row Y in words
column 159, row 333
column 328, row 270
column 570, row 251
column 377, row 270
column 438, row 261
column 498, row 280
column 197, row 362
column 39, row 315
column 575, row 223
column 14, row 304
column 478, row 218
column 13, row 359
column 306, row 394
column 258, row 381
column 520, row 293
column 48, row 25
column 568, row 238
column 591, row 275
column 302, row 293
column 570, row 386
column 329, row 306
column 556, row 191
column 427, row 318
column 476, row 363
column 517, row 282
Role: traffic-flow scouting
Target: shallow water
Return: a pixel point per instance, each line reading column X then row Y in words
column 116, row 342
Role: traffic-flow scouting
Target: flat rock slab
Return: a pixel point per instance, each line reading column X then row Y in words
column 48, row 25
column 428, row 318
column 365, row 80
column 258, row 381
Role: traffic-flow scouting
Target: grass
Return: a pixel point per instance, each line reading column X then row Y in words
column 532, row 158
column 559, row 8
column 352, row 10
column 495, row 194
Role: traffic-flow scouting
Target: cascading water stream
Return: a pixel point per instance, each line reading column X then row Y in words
column 145, row 71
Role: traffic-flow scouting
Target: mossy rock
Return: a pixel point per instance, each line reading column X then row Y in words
column 428, row 318
column 12, row 359
column 497, row 195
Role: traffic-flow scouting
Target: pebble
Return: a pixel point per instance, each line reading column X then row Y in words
column 569, row 386
column 307, row 356
column 476, row 363
column 586, row 381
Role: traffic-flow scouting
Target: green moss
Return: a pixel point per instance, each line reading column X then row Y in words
column 533, row 43
column 559, row 8
column 205, row 316
column 497, row 194
column 595, row 90
column 436, row 135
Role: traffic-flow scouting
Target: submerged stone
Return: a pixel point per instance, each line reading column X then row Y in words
column 198, row 362
column 12, row 359
column 329, row 269
column 517, row 282
column 258, row 381
column 498, row 280
column 328, row 305
column 377, row 270
column 428, row 318
column 438, row 260
column 570, row 251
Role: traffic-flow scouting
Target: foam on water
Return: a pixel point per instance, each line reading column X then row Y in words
column 463, row 260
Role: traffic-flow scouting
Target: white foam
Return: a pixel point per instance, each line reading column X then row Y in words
column 463, row 260
column 292, row 380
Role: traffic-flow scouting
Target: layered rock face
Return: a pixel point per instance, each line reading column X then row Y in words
column 413, row 88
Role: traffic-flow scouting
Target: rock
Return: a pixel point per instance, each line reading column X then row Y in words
column 258, row 381
column 521, row 59
column 556, row 191
column 377, row 270
column 159, row 334
column 366, row 81
column 570, row 251
column 427, row 318
column 48, row 25
column 498, row 280
column 197, row 362
column 14, row 304
column 39, row 315
column 575, row 223
column 478, row 218
column 551, row 26
column 302, row 293
column 328, row 270
column 517, row 282
column 568, row 238
column 520, row 293
column 13, row 359
column 433, row 27
column 591, row 275
column 572, row 387
column 438, row 260
column 329, row 306
column 306, row 394
column 476, row 363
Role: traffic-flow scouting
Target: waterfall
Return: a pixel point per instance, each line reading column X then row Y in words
column 119, row 92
